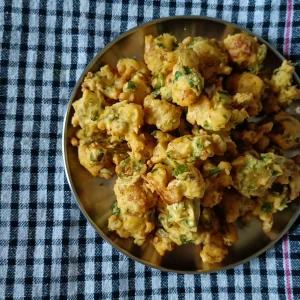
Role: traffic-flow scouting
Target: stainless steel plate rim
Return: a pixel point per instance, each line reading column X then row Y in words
column 65, row 141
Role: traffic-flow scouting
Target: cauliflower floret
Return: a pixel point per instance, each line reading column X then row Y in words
column 127, row 225
column 215, row 114
column 188, row 182
column 235, row 205
column 267, row 206
column 136, row 89
column 255, row 135
column 131, row 166
column 246, row 100
column 213, row 60
column 185, row 214
column 107, row 81
column 87, row 111
column 289, row 177
column 162, row 242
column 214, row 250
column 161, row 113
column 245, row 51
column 158, row 179
column 159, row 55
column 128, row 66
column 246, row 83
column 121, row 118
column 253, row 176
column 281, row 83
column 159, row 152
column 186, row 85
column 216, row 178
column 286, row 132
column 133, row 196
column 188, row 58
column 180, row 221
column 96, row 158
column 191, row 148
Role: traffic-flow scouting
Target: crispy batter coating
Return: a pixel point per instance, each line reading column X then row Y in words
column 286, row 133
column 175, row 131
column 164, row 115
column 245, row 51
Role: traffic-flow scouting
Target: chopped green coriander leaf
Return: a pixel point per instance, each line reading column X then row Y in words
column 206, row 125
column 94, row 115
column 267, row 208
column 251, row 187
column 138, row 168
column 156, row 93
column 184, row 240
column 96, row 155
column 191, row 83
column 92, row 158
column 275, row 173
column 223, row 93
column 154, row 170
column 116, row 211
column 214, row 171
column 225, row 100
column 131, row 85
column 177, row 75
column 297, row 140
column 198, row 144
column 160, row 45
column 179, row 170
column 106, row 171
column 123, row 163
column 187, row 70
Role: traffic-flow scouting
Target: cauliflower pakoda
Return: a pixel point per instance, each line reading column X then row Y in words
column 185, row 134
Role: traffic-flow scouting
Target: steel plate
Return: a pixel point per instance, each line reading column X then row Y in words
column 95, row 199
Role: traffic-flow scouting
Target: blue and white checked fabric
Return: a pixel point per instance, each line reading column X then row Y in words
column 47, row 248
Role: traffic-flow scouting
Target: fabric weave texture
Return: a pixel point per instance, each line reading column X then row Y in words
column 47, row 248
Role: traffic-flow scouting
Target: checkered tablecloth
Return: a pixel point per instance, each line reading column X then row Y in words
column 47, row 248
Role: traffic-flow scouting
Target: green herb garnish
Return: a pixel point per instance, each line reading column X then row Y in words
column 131, row 85
column 251, row 187
column 138, row 168
column 267, row 208
column 214, row 171
column 184, row 240
column 160, row 45
column 187, row 70
column 275, row 173
column 177, row 75
column 191, row 83
column 116, row 211
column 156, row 93
column 206, row 125
column 94, row 115
column 179, row 170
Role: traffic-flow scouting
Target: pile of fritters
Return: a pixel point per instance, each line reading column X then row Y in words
column 175, row 130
